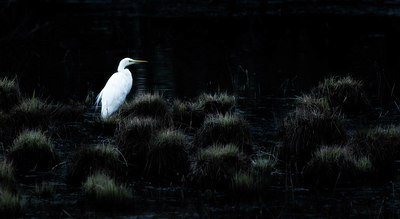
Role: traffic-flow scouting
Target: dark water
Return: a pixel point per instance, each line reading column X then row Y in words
column 263, row 55
column 64, row 51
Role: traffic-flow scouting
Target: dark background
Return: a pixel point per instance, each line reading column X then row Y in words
column 65, row 49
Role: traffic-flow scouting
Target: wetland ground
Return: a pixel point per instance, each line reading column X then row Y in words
column 269, row 56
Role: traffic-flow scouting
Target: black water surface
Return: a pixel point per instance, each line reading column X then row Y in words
column 65, row 50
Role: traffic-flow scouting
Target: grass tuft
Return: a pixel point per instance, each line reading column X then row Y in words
column 7, row 178
column 33, row 112
column 215, row 166
column 134, row 136
column 10, row 204
column 89, row 160
column 330, row 166
column 363, row 165
column 343, row 92
column 101, row 190
column 216, row 103
column 263, row 166
column 168, row 154
column 381, row 145
column 147, row 105
column 180, row 110
column 304, row 130
column 44, row 190
column 32, row 150
column 224, row 129
column 187, row 114
column 10, row 94
column 244, row 183
column 311, row 103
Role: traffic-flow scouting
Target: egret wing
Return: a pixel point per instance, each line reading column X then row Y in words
column 114, row 93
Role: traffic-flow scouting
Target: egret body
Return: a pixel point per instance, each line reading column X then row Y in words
column 117, row 87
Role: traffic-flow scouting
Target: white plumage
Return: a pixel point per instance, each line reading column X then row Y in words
column 116, row 89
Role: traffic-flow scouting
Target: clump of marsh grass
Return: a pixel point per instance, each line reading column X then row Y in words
column 137, row 129
column 256, row 178
column 216, row 165
column 263, row 166
column 192, row 114
column 330, row 166
column 224, row 129
column 7, row 178
column 32, row 106
column 133, row 138
column 107, row 126
column 180, row 111
column 381, row 145
column 10, row 204
column 261, row 169
column 32, row 112
column 345, row 93
column 304, row 130
column 6, row 171
column 44, row 190
column 168, row 154
column 102, row 190
column 363, row 165
column 89, row 160
column 187, row 114
column 32, row 150
column 10, row 94
column 147, row 105
column 244, row 183
column 216, row 103
column 311, row 103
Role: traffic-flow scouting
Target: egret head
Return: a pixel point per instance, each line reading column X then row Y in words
column 128, row 61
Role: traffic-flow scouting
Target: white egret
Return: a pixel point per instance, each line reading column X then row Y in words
column 117, row 87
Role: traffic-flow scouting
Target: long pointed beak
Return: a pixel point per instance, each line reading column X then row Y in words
column 139, row 61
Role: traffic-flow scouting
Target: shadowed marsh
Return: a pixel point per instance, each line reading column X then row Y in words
column 265, row 154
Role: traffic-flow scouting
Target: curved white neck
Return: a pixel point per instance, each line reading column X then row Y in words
column 121, row 67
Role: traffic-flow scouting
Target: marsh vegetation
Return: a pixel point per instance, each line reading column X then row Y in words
column 201, row 144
